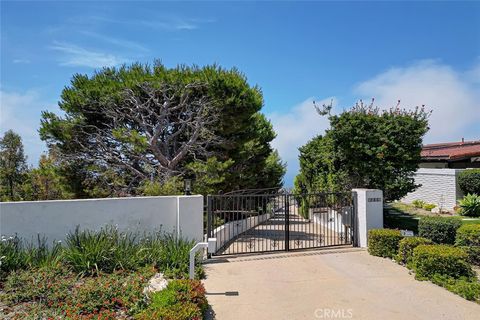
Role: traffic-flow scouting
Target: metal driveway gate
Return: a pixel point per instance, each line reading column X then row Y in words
column 279, row 221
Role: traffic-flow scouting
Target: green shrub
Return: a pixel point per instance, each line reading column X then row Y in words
column 469, row 181
column 470, row 205
column 180, row 300
column 109, row 250
column 466, row 288
column 106, row 250
column 175, row 258
column 15, row 254
column 405, row 249
column 439, row 229
column 304, row 208
column 383, row 242
column 418, row 203
column 468, row 237
column 473, row 254
column 12, row 255
column 428, row 206
column 445, row 260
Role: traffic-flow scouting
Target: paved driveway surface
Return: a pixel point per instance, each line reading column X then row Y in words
column 326, row 284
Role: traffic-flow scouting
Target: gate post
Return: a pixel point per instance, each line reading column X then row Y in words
column 368, row 214
column 287, row 223
column 209, row 217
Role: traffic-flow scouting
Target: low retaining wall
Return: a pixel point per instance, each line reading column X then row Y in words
column 231, row 229
column 54, row 219
column 332, row 219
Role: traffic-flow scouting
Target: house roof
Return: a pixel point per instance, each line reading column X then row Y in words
column 451, row 150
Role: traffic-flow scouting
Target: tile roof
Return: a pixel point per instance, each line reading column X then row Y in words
column 451, row 150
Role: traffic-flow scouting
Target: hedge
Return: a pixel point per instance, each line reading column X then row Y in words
column 468, row 237
column 469, row 181
column 439, row 229
column 405, row 249
column 383, row 242
column 449, row 261
column 466, row 288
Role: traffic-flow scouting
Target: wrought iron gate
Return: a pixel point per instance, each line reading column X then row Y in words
column 279, row 221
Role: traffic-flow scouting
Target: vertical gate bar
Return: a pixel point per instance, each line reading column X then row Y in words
column 251, row 231
column 311, row 234
column 222, row 208
column 337, row 232
column 276, row 226
column 287, row 223
column 326, row 219
column 315, row 225
column 281, row 227
column 312, row 221
column 235, row 213
column 339, row 208
column 263, row 199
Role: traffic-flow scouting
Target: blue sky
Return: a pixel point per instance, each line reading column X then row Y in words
column 419, row 52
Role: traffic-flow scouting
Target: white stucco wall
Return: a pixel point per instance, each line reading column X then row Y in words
column 439, row 186
column 54, row 219
column 369, row 215
column 230, row 230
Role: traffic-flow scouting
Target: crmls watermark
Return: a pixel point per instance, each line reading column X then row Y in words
column 326, row 313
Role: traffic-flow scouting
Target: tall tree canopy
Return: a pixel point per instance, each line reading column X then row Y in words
column 365, row 147
column 13, row 166
column 136, row 128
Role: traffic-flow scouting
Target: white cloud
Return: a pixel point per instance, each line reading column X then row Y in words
column 294, row 128
column 127, row 44
column 155, row 21
column 22, row 61
column 452, row 95
column 74, row 55
column 21, row 113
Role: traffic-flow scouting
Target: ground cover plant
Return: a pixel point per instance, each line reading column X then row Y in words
column 91, row 275
column 181, row 300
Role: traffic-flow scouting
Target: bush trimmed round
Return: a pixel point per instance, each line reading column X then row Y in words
column 383, row 242
column 469, row 181
column 405, row 249
column 431, row 260
column 440, row 230
column 468, row 237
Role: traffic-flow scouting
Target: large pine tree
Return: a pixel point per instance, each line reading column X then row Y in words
column 127, row 127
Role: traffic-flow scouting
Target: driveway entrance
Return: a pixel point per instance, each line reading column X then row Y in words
column 326, row 284
column 279, row 221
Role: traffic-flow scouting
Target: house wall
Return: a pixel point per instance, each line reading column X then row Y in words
column 438, row 186
column 54, row 219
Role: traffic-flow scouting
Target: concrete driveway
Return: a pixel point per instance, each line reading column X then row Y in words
column 344, row 283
